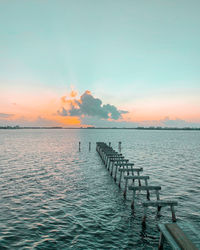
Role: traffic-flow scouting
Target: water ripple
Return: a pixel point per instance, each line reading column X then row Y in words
column 54, row 197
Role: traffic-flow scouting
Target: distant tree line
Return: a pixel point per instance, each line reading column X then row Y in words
column 18, row 127
column 139, row 128
column 168, row 128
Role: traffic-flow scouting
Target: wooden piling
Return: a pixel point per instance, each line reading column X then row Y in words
column 120, row 146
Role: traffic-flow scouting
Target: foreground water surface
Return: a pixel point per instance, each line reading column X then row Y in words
column 54, row 197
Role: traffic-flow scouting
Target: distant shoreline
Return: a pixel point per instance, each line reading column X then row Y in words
column 136, row 128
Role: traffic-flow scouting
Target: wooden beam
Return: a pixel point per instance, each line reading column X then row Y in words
column 130, row 169
column 159, row 203
column 119, row 159
column 125, row 164
column 136, row 188
column 132, row 177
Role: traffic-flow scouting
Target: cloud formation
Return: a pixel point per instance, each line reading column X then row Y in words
column 167, row 122
column 89, row 106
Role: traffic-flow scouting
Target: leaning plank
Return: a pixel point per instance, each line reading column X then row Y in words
column 191, row 231
column 164, row 234
column 180, row 237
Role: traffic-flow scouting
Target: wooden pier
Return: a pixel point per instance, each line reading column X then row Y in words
column 119, row 168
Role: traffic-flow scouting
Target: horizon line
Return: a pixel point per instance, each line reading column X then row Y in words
column 92, row 127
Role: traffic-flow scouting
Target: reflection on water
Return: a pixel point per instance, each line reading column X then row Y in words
column 54, row 197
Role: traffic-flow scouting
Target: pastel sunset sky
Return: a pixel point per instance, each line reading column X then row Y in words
column 121, row 63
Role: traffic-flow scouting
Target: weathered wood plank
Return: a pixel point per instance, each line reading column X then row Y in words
column 180, row 237
column 185, row 232
column 168, row 237
column 191, row 231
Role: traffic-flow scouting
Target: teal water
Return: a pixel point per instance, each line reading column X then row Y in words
column 54, row 197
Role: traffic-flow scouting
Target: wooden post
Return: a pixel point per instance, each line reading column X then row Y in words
column 158, row 198
column 108, row 165
column 144, row 217
column 157, row 195
column 115, row 177
column 120, row 144
column 139, row 182
column 161, row 241
column 79, row 146
column 173, row 214
column 148, row 194
column 109, row 144
column 133, row 202
column 120, row 177
column 125, row 189
column 89, row 146
column 112, row 167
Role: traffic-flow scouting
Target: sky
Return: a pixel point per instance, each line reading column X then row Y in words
column 108, row 63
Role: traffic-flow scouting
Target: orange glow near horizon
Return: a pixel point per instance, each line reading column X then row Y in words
column 34, row 107
column 46, row 106
column 68, row 120
column 158, row 108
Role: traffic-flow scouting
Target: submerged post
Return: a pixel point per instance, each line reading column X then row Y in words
column 109, row 144
column 89, row 146
column 79, row 146
column 120, row 146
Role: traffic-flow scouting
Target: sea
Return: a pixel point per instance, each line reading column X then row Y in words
column 55, row 196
